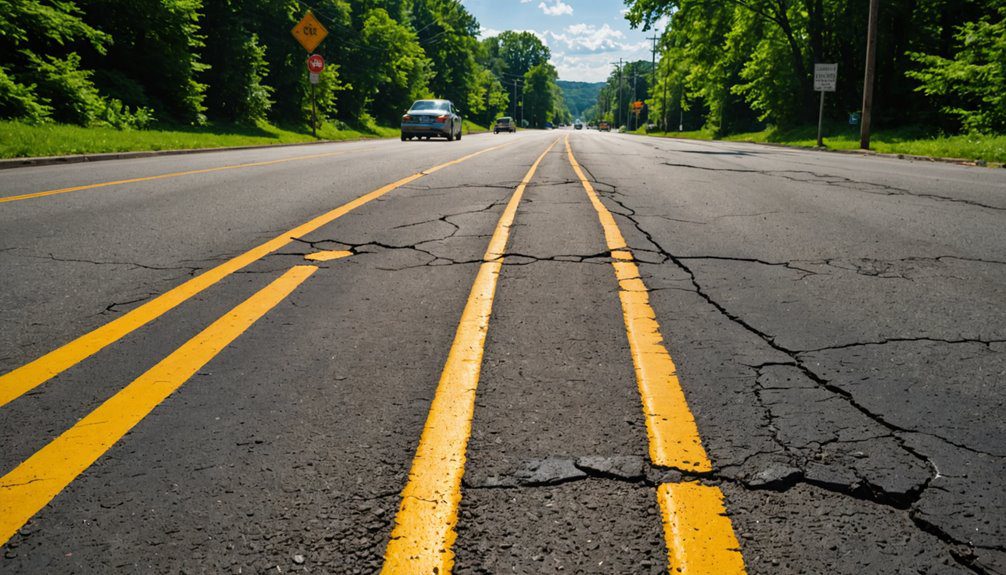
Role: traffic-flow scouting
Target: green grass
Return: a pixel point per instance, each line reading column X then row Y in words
column 22, row 140
column 473, row 128
column 909, row 141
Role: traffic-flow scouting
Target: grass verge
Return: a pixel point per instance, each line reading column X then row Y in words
column 909, row 141
column 473, row 128
column 19, row 140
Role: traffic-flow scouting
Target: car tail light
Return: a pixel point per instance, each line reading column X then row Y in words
column 443, row 118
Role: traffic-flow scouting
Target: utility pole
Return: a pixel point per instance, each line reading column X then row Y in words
column 871, row 58
column 635, row 98
column 653, row 72
column 618, row 103
column 515, row 99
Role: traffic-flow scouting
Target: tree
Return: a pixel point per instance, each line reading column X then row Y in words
column 237, row 64
column 972, row 85
column 154, row 58
column 40, row 71
column 540, row 94
column 448, row 33
column 521, row 51
column 397, row 69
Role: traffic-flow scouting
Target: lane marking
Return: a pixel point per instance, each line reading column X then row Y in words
column 699, row 535
column 674, row 437
column 327, row 256
column 173, row 175
column 36, row 481
column 700, row 539
column 423, row 537
column 16, row 383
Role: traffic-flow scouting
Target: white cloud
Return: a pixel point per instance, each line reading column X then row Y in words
column 586, row 38
column 557, row 8
column 488, row 32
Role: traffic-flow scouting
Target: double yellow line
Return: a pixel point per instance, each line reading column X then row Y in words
column 29, row 376
column 35, row 482
column 699, row 535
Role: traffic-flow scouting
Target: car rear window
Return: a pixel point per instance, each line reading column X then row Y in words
column 428, row 105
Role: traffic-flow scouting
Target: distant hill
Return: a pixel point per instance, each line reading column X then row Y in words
column 580, row 95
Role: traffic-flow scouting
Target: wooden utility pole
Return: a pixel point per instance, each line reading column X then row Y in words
column 653, row 74
column 618, row 103
column 515, row 100
column 871, row 58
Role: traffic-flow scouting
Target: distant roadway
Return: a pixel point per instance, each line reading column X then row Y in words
column 550, row 352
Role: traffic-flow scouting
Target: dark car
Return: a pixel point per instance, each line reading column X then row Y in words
column 431, row 118
column 505, row 124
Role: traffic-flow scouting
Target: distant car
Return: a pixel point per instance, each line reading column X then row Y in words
column 505, row 124
column 578, row 126
column 430, row 118
column 549, row 126
column 603, row 127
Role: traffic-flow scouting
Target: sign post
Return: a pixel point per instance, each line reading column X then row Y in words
column 825, row 80
column 315, row 66
column 310, row 32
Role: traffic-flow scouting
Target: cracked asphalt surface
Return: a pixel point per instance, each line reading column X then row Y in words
column 837, row 321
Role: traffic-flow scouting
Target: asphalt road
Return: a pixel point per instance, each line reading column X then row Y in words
column 457, row 382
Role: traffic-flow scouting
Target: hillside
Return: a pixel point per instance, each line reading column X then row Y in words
column 580, row 95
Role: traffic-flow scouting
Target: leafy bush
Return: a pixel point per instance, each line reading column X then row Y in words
column 116, row 115
column 20, row 101
column 972, row 85
column 74, row 98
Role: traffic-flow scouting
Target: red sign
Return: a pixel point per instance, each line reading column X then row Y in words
column 315, row 64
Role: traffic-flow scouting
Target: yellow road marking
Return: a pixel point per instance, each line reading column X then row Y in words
column 16, row 383
column 423, row 537
column 327, row 256
column 171, row 175
column 35, row 482
column 674, row 437
column 700, row 539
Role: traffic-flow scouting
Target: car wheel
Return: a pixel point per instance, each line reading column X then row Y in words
column 450, row 134
column 404, row 137
column 459, row 134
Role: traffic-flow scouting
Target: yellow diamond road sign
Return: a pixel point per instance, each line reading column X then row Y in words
column 309, row 32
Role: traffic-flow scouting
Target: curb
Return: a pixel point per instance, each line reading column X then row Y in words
column 11, row 163
column 862, row 153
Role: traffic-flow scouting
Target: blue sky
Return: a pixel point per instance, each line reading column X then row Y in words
column 585, row 36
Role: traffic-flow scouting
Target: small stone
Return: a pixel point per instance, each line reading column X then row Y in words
column 551, row 471
column 299, row 559
column 776, row 475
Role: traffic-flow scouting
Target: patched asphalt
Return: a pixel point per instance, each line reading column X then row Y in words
column 837, row 323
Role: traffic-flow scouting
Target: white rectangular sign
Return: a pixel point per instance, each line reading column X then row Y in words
column 825, row 77
column 315, row 78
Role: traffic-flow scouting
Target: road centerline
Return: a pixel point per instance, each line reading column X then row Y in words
column 423, row 536
column 30, row 486
column 700, row 537
column 23, row 379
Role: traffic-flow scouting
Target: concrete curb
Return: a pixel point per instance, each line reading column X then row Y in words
column 7, row 164
column 862, row 153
